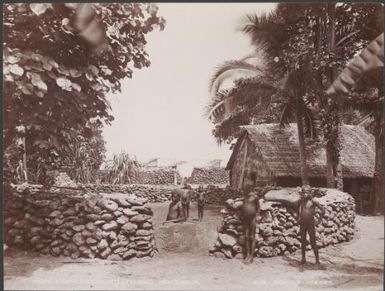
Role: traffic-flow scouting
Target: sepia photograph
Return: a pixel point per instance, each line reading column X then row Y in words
column 193, row 146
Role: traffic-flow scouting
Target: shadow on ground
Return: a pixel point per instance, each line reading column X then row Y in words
column 22, row 263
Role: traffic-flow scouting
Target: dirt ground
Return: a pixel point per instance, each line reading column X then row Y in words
column 183, row 263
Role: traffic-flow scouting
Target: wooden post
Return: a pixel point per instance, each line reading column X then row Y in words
column 243, row 167
column 355, row 191
column 25, row 161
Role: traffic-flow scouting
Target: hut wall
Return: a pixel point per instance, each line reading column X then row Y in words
column 255, row 168
column 360, row 189
column 236, row 170
column 259, row 169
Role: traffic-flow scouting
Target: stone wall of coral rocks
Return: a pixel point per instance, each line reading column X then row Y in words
column 162, row 193
column 209, row 176
column 278, row 231
column 159, row 176
column 156, row 193
column 113, row 227
column 219, row 195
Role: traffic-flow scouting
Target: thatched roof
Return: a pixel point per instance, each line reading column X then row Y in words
column 279, row 150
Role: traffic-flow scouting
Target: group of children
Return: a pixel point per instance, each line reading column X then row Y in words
column 179, row 210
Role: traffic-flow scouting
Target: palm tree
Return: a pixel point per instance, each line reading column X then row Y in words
column 258, row 88
column 250, row 98
column 294, row 70
column 273, row 34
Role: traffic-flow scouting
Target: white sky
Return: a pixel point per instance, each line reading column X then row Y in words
column 160, row 110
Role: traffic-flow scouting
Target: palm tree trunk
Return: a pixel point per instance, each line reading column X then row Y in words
column 334, row 166
column 339, row 175
column 301, row 141
column 25, row 161
column 378, row 179
column 330, row 181
column 334, row 177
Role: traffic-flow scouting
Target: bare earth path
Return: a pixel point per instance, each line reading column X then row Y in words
column 183, row 263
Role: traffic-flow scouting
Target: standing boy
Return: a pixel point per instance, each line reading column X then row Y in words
column 250, row 209
column 185, row 197
column 306, row 221
column 201, row 202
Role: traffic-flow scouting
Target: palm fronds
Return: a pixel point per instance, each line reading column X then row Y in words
column 121, row 169
column 253, row 93
column 256, row 59
column 311, row 124
column 267, row 31
column 230, row 69
column 345, row 34
column 228, row 129
column 215, row 102
column 249, row 101
column 287, row 114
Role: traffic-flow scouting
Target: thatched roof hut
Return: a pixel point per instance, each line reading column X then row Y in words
column 270, row 154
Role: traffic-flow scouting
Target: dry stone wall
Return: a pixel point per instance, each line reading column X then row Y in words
column 219, row 195
column 209, row 176
column 113, row 227
column 152, row 193
column 162, row 193
column 156, row 177
column 278, row 232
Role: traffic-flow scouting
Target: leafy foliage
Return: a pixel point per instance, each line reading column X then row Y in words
column 253, row 100
column 302, row 46
column 121, row 169
column 294, row 39
column 60, row 61
column 85, row 156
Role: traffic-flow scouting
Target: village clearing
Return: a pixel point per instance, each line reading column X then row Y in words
column 183, row 263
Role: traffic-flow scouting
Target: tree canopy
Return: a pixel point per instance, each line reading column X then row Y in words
column 302, row 46
column 293, row 38
column 60, row 61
